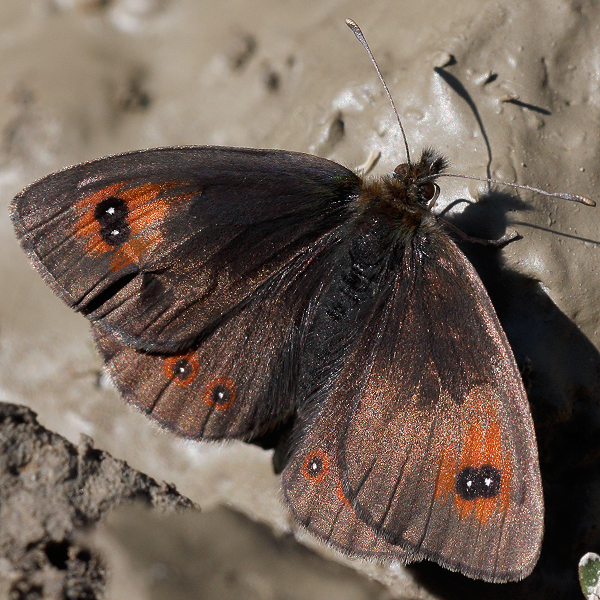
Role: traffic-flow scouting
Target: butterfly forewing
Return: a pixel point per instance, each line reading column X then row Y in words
column 157, row 245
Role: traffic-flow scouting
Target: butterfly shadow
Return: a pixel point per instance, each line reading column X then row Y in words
column 561, row 373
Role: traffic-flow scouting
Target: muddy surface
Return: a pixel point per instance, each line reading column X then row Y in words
column 508, row 89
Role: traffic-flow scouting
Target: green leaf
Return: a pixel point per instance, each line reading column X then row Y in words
column 589, row 575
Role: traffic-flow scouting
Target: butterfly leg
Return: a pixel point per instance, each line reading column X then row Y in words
column 499, row 243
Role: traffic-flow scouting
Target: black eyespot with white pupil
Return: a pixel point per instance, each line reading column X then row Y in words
column 482, row 482
column 221, row 394
column 111, row 214
column 314, row 468
column 182, row 369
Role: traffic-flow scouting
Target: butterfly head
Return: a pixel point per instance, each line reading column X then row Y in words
column 405, row 197
column 419, row 178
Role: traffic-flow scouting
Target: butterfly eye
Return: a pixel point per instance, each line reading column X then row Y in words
column 402, row 171
column 429, row 190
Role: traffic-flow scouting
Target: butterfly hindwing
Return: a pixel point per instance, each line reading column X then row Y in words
column 434, row 461
column 157, row 245
column 239, row 379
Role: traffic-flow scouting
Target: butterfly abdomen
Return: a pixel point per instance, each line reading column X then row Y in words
column 343, row 304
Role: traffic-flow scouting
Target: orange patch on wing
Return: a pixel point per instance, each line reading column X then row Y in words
column 96, row 246
column 181, row 368
column 145, row 210
column 339, row 492
column 505, row 487
column 444, row 486
column 484, row 449
column 131, row 252
column 480, row 447
column 226, row 386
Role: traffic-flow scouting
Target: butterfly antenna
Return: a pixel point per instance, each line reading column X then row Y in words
column 563, row 196
column 361, row 38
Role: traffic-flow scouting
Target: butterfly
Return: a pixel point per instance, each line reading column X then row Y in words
column 232, row 290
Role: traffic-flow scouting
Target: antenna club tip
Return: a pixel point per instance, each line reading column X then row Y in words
column 356, row 30
column 577, row 198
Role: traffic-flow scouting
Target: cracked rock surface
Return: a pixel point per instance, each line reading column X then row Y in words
column 51, row 489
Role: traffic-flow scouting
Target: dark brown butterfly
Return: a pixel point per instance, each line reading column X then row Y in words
column 231, row 289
